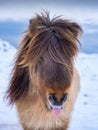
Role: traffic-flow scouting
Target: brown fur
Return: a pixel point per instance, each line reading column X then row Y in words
column 44, row 65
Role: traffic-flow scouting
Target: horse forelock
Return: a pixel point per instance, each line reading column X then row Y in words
column 57, row 36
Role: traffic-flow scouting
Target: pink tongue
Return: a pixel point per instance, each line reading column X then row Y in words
column 56, row 111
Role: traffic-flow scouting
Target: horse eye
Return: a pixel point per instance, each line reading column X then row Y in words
column 41, row 58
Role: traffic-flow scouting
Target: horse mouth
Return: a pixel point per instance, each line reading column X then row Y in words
column 55, row 110
column 56, row 107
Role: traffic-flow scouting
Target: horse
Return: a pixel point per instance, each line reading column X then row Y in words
column 45, row 82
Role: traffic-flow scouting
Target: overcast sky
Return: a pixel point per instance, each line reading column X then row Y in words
column 81, row 10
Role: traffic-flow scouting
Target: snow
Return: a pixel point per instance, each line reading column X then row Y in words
column 85, row 114
column 8, row 115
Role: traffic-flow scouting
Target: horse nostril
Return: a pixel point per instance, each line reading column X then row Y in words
column 64, row 98
column 52, row 98
column 54, row 101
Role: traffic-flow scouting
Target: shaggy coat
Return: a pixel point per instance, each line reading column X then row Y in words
column 45, row 65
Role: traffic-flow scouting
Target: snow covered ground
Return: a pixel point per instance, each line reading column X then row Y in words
column 85, row 115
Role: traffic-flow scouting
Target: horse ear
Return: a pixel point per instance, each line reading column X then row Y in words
column 76, row 29
column 19, row 84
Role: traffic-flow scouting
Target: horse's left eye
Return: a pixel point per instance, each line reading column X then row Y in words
column 41, row 58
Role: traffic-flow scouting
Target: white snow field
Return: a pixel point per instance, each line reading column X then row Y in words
column 85, row 114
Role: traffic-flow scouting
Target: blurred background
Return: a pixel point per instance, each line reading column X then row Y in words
column 15, row 15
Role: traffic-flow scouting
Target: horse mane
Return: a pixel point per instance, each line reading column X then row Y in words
column 58, row 36
column 48, row 34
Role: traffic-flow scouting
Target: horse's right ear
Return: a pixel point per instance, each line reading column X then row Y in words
column 76, row 29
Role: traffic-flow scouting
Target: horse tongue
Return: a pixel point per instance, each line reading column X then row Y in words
column 56, row 111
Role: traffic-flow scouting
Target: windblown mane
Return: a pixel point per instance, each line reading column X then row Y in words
column 57, row 36
column 44, row 33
